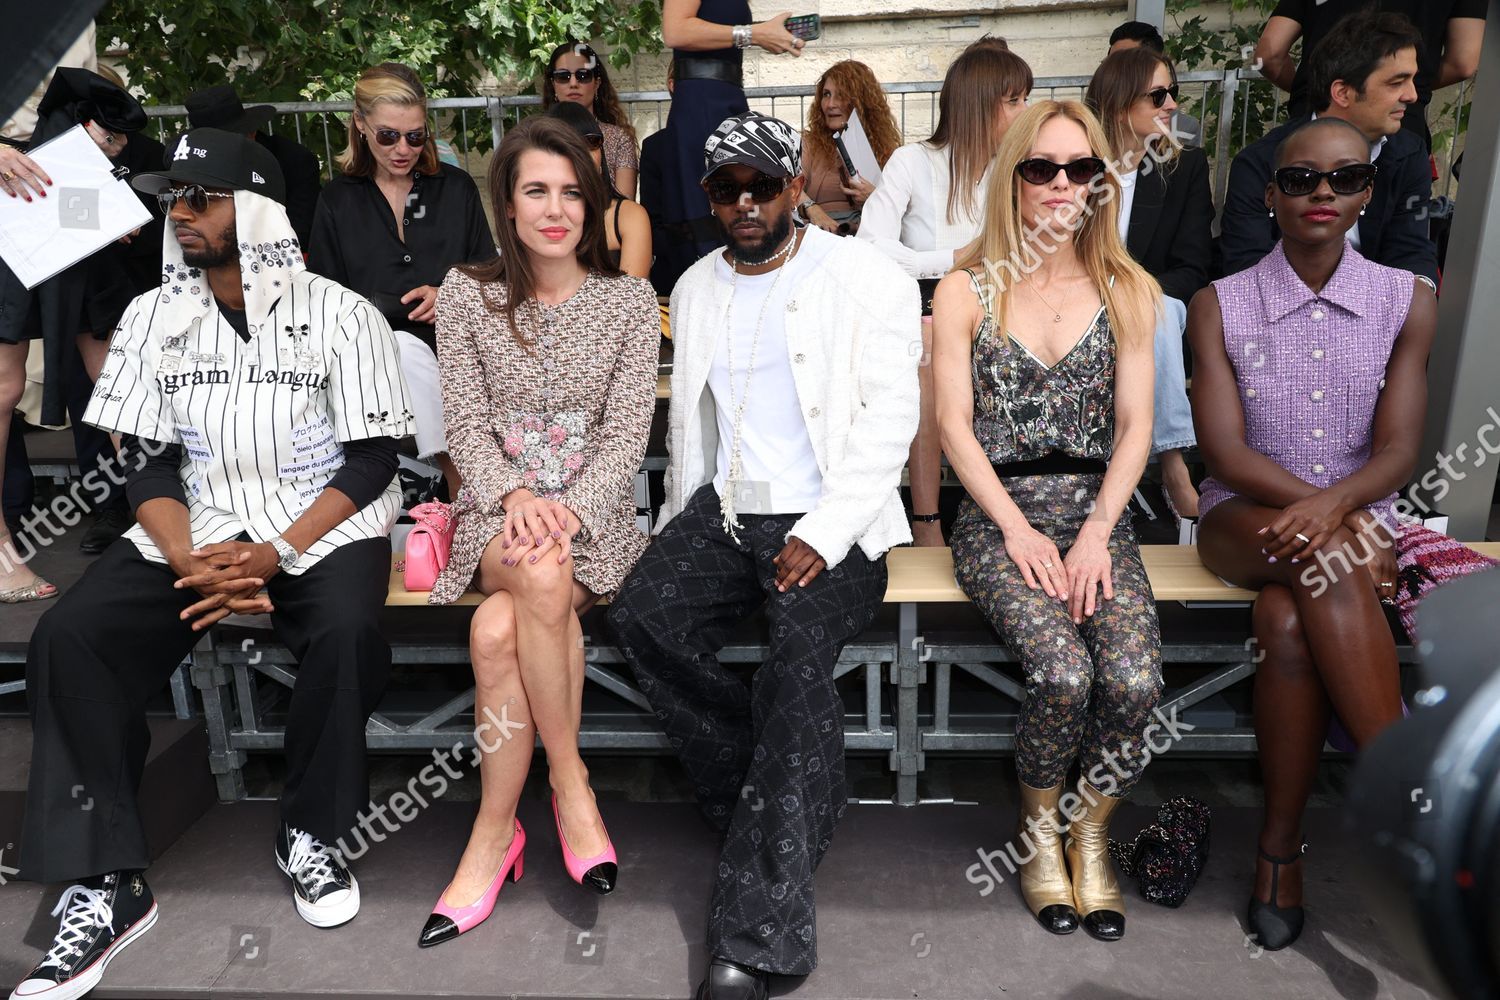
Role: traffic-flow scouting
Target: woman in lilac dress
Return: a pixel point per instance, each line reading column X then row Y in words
column 1309, row 391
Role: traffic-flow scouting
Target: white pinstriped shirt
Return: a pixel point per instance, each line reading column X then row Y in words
column 261, row 423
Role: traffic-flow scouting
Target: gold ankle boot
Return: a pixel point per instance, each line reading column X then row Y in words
column 1096, row 890
column 1044, row 877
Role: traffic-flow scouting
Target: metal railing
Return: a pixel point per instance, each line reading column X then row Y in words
column 1246, row 101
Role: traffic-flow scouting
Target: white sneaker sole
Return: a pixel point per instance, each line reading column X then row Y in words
column 90, row 977
column 327, row 914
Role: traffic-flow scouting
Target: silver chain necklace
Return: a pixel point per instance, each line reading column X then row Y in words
column 736, row 465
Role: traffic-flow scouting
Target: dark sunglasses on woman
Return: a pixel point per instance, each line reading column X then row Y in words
column 1080, row 171
column 585, row 75
column 196, row 196
column 389, row 137
column 1297, row 182
column 595, row 140
column 1159, row 95
column 722, row 191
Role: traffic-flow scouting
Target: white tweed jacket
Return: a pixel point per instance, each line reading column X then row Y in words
column 853, row 331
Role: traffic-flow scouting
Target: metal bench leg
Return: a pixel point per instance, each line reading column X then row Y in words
column 212, row 680
column 180, row 703
column 908, row 674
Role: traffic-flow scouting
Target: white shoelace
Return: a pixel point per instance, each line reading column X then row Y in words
column 87, row 910
column 310, row 861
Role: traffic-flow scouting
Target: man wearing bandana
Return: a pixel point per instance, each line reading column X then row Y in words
column 794, row 403
column 259, row 406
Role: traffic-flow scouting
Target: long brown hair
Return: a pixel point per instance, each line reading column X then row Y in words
column 388, row 83
column 513, row 267
column 1131, row 299
column 1122, row 79
column 976, row 83
column 607, row 108
column 857, row 82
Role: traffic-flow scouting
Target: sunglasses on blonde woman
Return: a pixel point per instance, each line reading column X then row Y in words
column 1040, row 171
column 390, row 136
column 1159, row 95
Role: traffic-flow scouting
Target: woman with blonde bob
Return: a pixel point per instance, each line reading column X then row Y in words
column 1042, row 356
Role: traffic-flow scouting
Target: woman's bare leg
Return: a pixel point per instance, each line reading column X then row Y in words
column 924, row 463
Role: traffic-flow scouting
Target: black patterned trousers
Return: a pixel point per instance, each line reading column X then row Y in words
column 766, row 759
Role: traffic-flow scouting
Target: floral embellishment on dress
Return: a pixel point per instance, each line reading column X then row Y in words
column 547, row 447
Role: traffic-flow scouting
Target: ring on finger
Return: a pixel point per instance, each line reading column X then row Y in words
column 1302, row 538
column 8, row 175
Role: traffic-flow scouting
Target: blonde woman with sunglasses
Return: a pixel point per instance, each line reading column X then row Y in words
column 392, row 224
column 1042, row 358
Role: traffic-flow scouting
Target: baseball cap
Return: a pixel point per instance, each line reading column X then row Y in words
column 768, row 144
column 215, row 158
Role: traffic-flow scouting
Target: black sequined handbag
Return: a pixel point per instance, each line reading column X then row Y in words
column 1167, row 857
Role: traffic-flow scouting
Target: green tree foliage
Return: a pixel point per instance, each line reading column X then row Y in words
column 287, row 50
column 1193, row 44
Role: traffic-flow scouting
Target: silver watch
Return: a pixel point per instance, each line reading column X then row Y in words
column 286, row 555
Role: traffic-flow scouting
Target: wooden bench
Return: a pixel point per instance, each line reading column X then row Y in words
column 909, row 681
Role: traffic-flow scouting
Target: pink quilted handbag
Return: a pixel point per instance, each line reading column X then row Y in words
column 428, row 543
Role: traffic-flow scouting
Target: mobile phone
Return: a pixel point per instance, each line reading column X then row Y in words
column 805, row 26
column 838, row 144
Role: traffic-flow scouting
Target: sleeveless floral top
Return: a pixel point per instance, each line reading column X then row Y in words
column 1024, row 409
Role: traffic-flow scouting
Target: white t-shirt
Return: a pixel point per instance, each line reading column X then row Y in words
column 1127, row 200
column 780, row 473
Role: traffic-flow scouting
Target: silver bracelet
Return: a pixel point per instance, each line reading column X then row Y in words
column 742, row 33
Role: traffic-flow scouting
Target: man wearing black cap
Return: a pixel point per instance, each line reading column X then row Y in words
column 220, row 107
column 259, row 405
column 794, row 404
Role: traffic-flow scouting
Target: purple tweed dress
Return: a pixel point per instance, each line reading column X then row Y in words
column 1311, row 365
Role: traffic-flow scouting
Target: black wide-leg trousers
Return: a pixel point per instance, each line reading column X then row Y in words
column 114, row 639
column 767, row 759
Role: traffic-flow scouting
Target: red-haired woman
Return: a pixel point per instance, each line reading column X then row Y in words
column 832, row 198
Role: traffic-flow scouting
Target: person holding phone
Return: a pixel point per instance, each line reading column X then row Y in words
column 392, row 225
column 835, row 193
column 929, row 207
column 708, row 39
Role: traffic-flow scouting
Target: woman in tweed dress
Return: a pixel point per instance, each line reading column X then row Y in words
column 1309, row 391
column 548, row 359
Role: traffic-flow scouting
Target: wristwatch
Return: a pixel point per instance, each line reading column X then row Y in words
column 286, row 555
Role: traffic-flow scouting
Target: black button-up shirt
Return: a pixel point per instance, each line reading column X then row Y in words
column 356, row 243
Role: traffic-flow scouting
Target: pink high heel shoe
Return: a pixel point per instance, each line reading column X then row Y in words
column 448, row 922
column 598, row 872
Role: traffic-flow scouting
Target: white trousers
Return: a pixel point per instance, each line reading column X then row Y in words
column 420, row 366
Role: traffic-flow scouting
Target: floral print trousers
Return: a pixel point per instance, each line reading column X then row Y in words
column 1091, row 689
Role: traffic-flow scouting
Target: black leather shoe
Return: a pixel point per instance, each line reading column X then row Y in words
column 1059, row 918
column 1274, row 927
column 438, row 929
column 601, row 877
column 1105, row 925
column 109, row 524
column 732, row 981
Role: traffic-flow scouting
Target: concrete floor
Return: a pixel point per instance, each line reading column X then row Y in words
column 899, row 917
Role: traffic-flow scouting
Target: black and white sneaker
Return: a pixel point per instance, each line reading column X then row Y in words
column 97, row 924
column 327, row 894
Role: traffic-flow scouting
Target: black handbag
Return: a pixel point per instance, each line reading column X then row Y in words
column 1167, row 857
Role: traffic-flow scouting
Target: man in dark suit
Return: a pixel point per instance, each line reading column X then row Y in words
column 220, row 107
column 1362, row 71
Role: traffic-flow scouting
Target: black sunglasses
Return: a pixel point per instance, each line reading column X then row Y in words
column 585, row 75
column 594, row 139
column 389, row 136
column 196, row 196
column 1039, row 171
column 1297, row 182
column 722, row 191
column 1159, row 95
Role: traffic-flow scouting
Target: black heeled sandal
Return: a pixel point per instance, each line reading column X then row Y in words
column 1274, row 927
